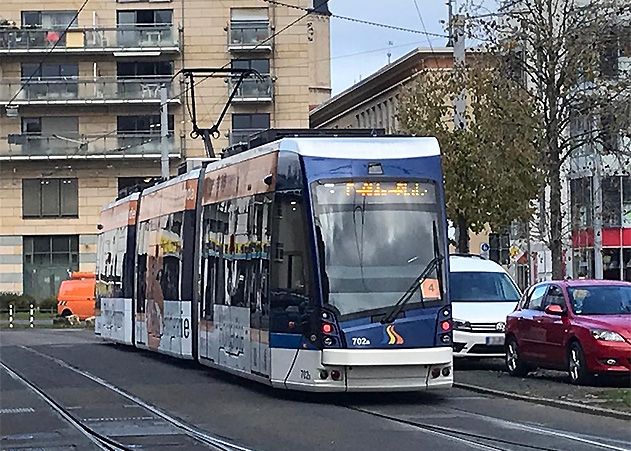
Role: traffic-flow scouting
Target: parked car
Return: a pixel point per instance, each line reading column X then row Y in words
column 482, row 295
column 76, row 295
column 581, row 326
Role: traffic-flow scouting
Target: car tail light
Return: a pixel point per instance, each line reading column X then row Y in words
column 435, row 373
column 336, row 375
column 445, row 326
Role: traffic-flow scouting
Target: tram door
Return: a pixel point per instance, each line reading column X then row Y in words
column 258, row 276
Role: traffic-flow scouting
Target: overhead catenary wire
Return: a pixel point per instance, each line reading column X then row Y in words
column 420, row 18
column 356, row 20
column 47, row 54
column 307, row 12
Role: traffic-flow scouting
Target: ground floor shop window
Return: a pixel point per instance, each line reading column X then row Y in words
column 47, row 261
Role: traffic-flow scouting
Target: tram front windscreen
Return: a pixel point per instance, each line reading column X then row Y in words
column 374, row 239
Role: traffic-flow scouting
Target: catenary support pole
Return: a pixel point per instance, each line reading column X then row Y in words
column 164, row 133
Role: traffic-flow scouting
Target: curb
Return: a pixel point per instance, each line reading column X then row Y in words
column 548, row 402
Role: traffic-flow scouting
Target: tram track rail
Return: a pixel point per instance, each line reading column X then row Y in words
column 102, row 441
column 489, row 443
column 459, row 435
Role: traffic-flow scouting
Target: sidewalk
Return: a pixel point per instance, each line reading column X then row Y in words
column 545, row 385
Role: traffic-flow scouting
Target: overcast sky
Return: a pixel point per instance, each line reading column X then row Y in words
column 348, row 38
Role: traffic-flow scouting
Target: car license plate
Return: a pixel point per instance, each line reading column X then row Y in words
column 494, row 340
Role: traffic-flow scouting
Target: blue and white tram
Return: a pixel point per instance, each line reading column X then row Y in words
column 305, row 263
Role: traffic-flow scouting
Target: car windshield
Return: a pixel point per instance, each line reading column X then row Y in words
column 482, row 287
column 374, row 239
column 601, row 300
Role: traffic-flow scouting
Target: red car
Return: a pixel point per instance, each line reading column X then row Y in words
column 579, row 326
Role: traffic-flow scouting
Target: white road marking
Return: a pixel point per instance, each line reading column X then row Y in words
column 17, row 410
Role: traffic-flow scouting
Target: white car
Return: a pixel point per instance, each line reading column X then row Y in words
column 482, row 295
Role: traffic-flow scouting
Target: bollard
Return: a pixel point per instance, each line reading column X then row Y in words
column 30, row 315
column 10, row 316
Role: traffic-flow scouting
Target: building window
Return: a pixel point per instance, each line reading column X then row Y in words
column 248, row 26
column 61, row 71
column 50, row 198
column 57, row 250
column 145, row 17
column 144, row 69
column 49, row 19
column 67, row 126
column 581, row 200
column 260, row 65
column 612, row 205
column 32, row 125
column 613, row 267
column 499, row 244
column 626, row 201
column 50, row 80
column 584, row 263
column 47, row 261
column 141, row 125
column 246, row 124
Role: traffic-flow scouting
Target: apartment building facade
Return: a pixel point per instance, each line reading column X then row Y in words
column 80, row 111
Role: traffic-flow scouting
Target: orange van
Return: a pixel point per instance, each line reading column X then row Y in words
column 76, row 295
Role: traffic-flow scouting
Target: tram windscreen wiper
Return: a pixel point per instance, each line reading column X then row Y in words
column 434, row 264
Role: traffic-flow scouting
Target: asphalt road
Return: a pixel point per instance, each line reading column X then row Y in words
column 70, row 366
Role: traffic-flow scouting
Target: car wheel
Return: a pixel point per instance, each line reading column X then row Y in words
column 514, row 363
column 579, row 373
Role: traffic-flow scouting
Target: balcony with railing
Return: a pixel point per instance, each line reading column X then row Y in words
column 244, row 36
column 111, row 146
column 253, row 89
column 121, row 39
column 78, row 91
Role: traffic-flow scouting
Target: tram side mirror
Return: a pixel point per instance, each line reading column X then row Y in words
column 269, row 178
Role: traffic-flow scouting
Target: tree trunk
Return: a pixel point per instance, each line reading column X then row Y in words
column 463, row 235
column 556, row 224
column 554, row 174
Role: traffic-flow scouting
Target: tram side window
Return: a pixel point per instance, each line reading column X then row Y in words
column 211, row 258
column 260, row 238
column 290, row 284
column 141, row 265
column 112, row 249
column 171, row 248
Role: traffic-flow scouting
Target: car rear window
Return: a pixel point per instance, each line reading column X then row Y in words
column 482, row 287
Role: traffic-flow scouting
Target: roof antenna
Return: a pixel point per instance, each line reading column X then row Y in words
column 213, row 131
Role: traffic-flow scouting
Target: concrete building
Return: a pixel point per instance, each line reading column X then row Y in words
column 80, row 111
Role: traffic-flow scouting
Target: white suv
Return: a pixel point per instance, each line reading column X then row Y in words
column 482, row 295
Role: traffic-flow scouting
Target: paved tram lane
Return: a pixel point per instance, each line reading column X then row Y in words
column 263, row 419
column 27, row 421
